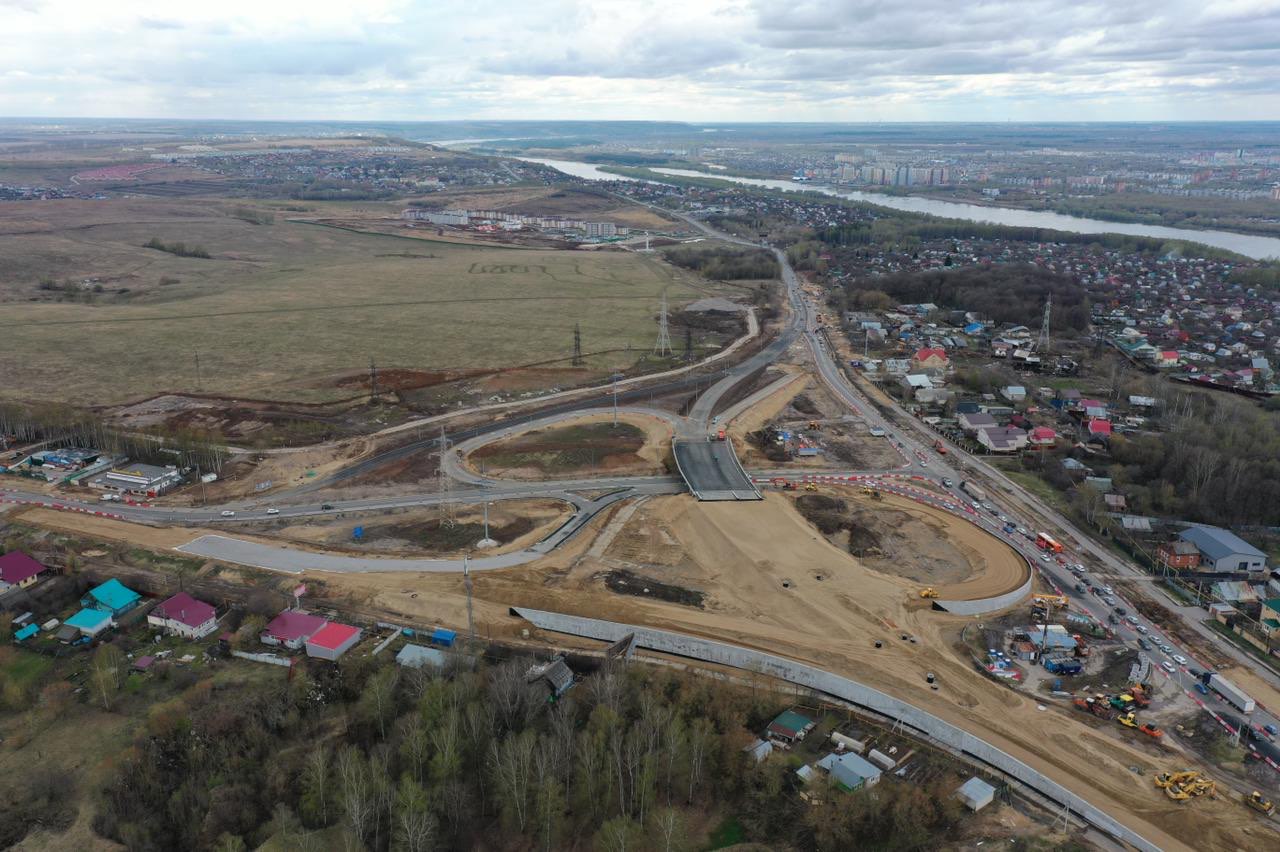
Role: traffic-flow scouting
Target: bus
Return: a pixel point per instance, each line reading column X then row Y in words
column 1044, row 541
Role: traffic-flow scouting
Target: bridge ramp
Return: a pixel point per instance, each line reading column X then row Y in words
column 712, row 471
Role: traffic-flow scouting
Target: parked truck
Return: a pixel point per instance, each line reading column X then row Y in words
column 1232, row 694
column 974, row 491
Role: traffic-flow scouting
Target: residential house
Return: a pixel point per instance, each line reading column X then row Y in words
column 976, row 793
column 183, row 615
column 1166, row 358
column 1222, row 550
column 974, row 422
column 850, row 771
column 556, row 674
column 1182, row 555
column 1269, row 619
column 930, row 359
column 998, row 439
column 291, row 629
column 914, row 384
column 897, row 366
column 790, row 727
column 417, row 656
column 18, row 571
column 1098, row 430
column 1115, row 502
column 1042, row 436
column 1014, row 393
column 112, row 597
column 759, row 750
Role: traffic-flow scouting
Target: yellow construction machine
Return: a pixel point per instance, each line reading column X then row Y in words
column 1181, row 786
column 1060, row 601
column 809, row 486
column 1128, row 720
column 1258, row 803
column 929, row 592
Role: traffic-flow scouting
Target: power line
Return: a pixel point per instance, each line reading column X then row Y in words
column 1042, row 344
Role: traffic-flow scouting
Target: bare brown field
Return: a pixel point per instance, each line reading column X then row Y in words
column 287, row 310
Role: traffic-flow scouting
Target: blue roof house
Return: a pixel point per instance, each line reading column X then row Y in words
column 112, row 597
column 850, row 771
column 1224, row 551
column 90, row 622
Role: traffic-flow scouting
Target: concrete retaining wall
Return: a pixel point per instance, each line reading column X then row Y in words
column 845, row 689
column 981, row 607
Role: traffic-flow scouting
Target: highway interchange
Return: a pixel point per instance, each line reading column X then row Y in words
column 912, row 438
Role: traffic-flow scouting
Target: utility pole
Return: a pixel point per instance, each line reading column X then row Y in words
column 688, row 343
column 466, row 580
column 447, row 512
column 663, row 347
column 199, row 383
column 577, row 345
column 373, row 380
column 615, row 400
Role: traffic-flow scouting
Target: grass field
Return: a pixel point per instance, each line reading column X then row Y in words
column 283, row 310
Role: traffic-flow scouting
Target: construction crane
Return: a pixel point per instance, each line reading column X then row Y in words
column 1059, row 601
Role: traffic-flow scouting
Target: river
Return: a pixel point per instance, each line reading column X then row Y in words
column 1249, row 245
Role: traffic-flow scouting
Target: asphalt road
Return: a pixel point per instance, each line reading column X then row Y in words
column 712, row 471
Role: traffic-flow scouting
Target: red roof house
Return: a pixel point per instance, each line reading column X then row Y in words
column 930, row 358
column 1167, row 358
column 292, row 628
column 183, row 615
column 332, row 641
column 18, row 570
column 1100, row 428
column 1043, row 436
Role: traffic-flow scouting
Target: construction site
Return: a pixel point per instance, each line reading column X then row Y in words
column 851, row 567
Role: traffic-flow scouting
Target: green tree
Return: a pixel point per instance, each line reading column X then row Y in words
column 620, row 834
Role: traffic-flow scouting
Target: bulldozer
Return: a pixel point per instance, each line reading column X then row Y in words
column 1256, row 801
column 1181, row 786
column 871, row 492
column 929, row 592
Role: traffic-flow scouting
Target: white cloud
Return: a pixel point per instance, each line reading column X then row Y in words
column 664, row 59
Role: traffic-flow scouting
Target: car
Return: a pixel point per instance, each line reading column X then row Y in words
column 1140, row 628
column 1133, row 619
column 946, row 483
column 1144, row 644
column 273, row 511
column 227, row 513
column 1167, row 648
column 1004, row 519
column 1270, row 729
column 1201, row 688
column 1195, row 672
column 1179, row 659
column 975, row 504
column 1167, row 666
column 326, row 507
column 924, row 464
column 1121, row 611
column 1044, row 557
column 1108, row 590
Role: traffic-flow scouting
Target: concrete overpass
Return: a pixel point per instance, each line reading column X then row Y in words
column 712, row 471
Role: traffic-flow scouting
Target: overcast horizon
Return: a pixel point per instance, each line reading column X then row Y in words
column 857, row 61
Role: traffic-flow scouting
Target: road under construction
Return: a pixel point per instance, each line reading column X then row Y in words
column 775, row 585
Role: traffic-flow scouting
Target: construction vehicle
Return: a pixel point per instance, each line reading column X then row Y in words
column 1258, row 803
column 1094, row 706
column 720, row 436
column 1181, row 786
column 1140, row 696
column 1123, row 703
column 1128, row 720
column 1059, row 601
column 929, row 592
column 813, row 424
column 809, row 486
column 784, row 484
column 1151, row 730
column 1082, row 648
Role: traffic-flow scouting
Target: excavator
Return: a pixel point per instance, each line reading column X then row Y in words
column 871, row 492
column 1256, row 801
column 929, row 592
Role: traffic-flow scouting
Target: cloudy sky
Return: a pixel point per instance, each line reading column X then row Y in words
column 697, row 60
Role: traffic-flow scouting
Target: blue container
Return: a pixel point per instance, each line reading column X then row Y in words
column 440, row 636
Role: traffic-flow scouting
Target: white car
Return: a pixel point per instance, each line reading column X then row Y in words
column 227, row 513
column 1044, row 557
column 1179, row 659
column 1167, row 666
column 273, row 511
column 1108, row 590
column 1140, row 629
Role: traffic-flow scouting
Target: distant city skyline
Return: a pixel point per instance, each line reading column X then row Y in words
column 723, row 60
